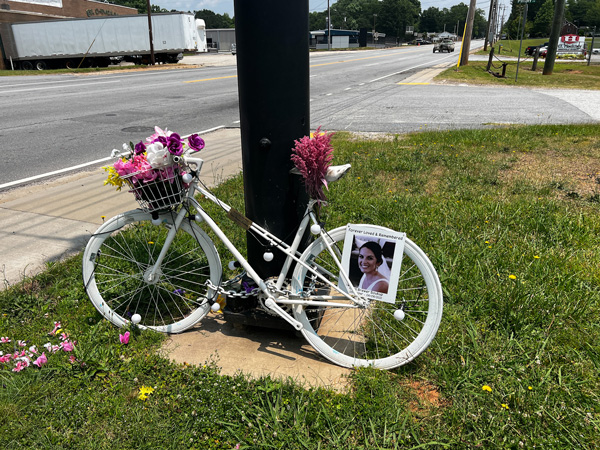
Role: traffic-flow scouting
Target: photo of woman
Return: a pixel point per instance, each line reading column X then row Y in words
column 370, row 261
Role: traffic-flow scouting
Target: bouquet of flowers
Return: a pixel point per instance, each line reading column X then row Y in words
column 152, row 170
column 151, row 160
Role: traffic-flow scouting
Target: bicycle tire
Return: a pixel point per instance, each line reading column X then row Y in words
column 120, row 253
column 368, row 336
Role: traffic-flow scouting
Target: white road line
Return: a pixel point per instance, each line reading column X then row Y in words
column 53, row 87
column 79, row 166
column 405, row 70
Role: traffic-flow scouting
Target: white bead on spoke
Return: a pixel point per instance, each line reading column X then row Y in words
column 399, row 314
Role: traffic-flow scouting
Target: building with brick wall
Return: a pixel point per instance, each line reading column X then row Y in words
column 14, row 11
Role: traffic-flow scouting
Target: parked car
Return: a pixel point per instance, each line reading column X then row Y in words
column 596, row 51
column 543, row 51
column 530, row 50
column 233, row 49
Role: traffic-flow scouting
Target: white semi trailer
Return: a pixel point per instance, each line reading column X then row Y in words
column 98, row 41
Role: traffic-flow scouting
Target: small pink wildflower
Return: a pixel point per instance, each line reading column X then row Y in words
column 67, row 346
column 57, row 326
column 21, row 343
column 33, row 349
column 20, row 366
column 5, row 358
column 124, row 338
column 41, row 360
column 64, row 336
column 4, row 340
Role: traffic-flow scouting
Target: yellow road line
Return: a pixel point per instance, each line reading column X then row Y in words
column 210, row 79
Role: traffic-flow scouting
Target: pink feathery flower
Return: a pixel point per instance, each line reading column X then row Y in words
column 124, row 338
column 4, row 340
column 21, row 343
column 41, row 360
column 5, row 358
column 312, row 157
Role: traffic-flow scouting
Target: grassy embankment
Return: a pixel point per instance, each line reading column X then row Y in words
column 510, row 219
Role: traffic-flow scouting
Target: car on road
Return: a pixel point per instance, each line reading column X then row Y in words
column 447, row 45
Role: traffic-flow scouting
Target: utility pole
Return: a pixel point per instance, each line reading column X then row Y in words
column 489, row 27
column 557, row 22
column 152, row 60
column 273, row 84
column 522, row 33
column 466, row 46
column 328, row 26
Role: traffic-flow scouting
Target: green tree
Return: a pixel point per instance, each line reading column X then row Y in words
column 317, row 20
column 584, row 12
column 396, row 15
column 214, row 20
column 543, row 20
column 431, row 20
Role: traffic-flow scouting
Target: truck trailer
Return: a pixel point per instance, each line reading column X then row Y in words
column 100, row 41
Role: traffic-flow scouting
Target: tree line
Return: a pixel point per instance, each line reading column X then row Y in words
column 585, row 14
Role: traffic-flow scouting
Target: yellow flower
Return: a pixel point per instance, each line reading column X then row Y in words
column 536, row 257
column 505, row 406
column 530, row 387
column 145, row 391
column 486, row 388
column 512, row 277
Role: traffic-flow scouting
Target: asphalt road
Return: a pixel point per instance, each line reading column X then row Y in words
column 53, row 122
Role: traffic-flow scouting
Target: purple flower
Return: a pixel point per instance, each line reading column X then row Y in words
column 175, row 144
column 161, row 139
column 140, row 147
column 195, row 142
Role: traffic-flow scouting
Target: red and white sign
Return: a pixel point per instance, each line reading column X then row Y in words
column 571, row 44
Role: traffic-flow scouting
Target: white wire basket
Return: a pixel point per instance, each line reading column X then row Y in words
column 164, row 193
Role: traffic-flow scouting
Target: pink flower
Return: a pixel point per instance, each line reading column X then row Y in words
column 4, row 340
column 56, row 328
column 64, row 337
column 20, row 366
column 124, row 338
column 67, row 346
column 5, row 358
column 312, row 157
column 21, row 343
column 41, row 360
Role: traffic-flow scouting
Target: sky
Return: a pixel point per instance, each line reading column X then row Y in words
column 226, row 6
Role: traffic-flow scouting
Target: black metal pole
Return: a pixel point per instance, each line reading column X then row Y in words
column 273, row 80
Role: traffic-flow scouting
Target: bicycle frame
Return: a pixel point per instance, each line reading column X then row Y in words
column 290, row 250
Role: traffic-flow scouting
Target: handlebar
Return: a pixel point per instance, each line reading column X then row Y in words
column 187, row 158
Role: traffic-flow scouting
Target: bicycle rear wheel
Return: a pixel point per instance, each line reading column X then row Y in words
column 119, row 257
column 376, row 334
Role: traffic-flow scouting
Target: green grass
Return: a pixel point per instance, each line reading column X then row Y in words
column 565, row 75
column 510, row 219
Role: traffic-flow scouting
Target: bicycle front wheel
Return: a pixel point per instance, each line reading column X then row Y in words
column 120, row 257
column 375, row 334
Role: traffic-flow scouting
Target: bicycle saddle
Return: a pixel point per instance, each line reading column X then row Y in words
column 334, row 173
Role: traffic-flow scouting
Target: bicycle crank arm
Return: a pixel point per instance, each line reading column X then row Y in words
column 273, row 306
